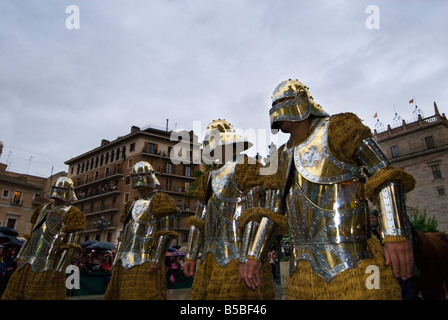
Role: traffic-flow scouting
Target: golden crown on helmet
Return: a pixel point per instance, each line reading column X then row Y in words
column 143, row 175
column 219, row 133
column 63, row 189
column 291, row 101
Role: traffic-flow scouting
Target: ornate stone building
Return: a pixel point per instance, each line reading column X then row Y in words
column 421, row 148
column 20, row 194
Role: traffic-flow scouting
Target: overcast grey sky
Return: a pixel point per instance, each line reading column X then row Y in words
column 139, row 63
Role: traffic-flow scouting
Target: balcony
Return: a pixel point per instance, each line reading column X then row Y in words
column 423, row 147
column 106, row 176
column 94, row 195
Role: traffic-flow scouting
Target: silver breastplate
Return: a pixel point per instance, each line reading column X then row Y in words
column 221, row 235
column 41, row 250
column 326, row 214
column 138, row 240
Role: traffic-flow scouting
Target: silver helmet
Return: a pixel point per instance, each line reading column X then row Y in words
column 142, row 174
column 63, row 189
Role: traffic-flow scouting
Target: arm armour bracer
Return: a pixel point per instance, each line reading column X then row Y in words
column 163, row 239
column 195, row 235
column 261, row 227
column 391, row 197
column 67, row 255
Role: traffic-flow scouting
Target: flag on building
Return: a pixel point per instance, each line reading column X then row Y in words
column 376, row 115
column 411, row 101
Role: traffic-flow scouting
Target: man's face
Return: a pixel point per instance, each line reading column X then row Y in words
column 286, row 126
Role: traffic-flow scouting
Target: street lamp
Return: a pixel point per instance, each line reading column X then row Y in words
column 101, row 224
column 179, row 214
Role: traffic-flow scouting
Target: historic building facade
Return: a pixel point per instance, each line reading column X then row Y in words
column 102, row 179
column 20, row 194
column 421, row 148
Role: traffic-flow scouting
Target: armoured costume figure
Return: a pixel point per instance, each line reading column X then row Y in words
column 138, row 271
column 326, row 171
column 50, row 247
column 225, row 193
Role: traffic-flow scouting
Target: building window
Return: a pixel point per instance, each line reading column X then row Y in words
column 436, row 173
column 186, row 186
column 429, row 142
column 5, row 194
column 126, row 197
column 128, row 180
column 130, row 163
column 394, row 151
column 151, row 148
column 169, row 167
column 441, row 191
column 168, row 184
column 188, row 171
column 17, row 199
column 132, row 147
column 11, row 223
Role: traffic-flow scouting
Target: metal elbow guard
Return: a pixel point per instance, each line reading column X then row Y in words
column 67, row 255
column 392, row 207
column 195, row 235
column 371, row 156
column 194, row 243
column 160, row 250
column 256, row 239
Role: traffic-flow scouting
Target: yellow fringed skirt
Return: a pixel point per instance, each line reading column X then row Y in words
column 213, row 282
column 350, row 284
column 136, row 283
column 24, row 284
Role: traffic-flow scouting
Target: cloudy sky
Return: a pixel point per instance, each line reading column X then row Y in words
column 65, row 83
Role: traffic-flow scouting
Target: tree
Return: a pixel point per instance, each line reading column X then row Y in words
column 422, row 223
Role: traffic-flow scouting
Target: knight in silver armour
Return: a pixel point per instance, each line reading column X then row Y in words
column 50, row 248
column 329, row 169
column 138, row 271
column 215, row 235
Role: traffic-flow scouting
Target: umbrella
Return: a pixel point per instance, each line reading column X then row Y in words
column 8, row 240
column 102, row 245
column 171, row 249
column 9, row 231
column 14, row 242
column 178, row 253
column 88, row 243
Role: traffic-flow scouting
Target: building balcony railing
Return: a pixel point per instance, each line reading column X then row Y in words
column 96, row 195
column 118, row 173
column 423, row 147
column 107, row 208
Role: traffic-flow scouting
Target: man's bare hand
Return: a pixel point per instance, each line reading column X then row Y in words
column 250, row 273
column 189, row 268
column 401, row 257
column 153, row 268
